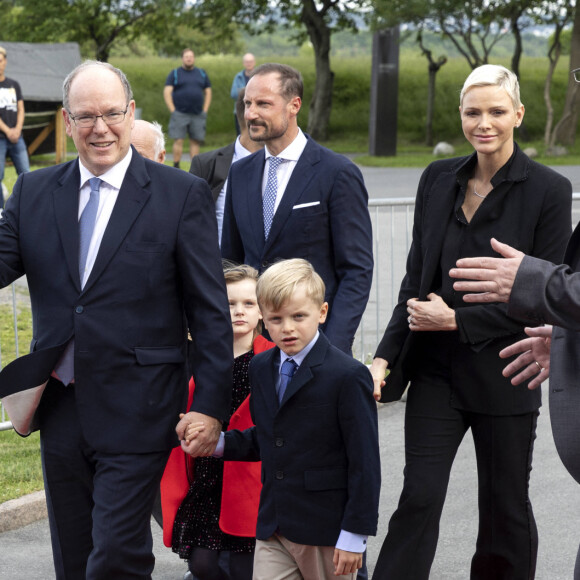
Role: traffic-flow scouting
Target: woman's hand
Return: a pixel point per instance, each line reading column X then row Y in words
column 378, row 370
column 430, row 315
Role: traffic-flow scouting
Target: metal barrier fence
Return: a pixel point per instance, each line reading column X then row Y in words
column 392, row 222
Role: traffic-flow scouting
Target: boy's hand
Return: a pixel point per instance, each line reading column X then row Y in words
column 346, row 562
column 205, row 441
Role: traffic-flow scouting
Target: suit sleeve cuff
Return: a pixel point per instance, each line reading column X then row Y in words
column 350, row 542
column 219, row 449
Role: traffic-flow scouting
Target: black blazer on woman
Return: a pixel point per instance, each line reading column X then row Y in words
column 529, row 208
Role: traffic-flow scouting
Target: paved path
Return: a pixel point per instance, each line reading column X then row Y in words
column 25, row 553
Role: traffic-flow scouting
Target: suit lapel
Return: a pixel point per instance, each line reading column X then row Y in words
column 440, row 203
column 253, row 195
column 303, row 173
column 268, row 373
column 304, row 373
column 66, row 207
column 131, row 200
column 222, row 166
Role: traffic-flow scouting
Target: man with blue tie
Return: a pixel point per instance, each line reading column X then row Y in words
column 297, row 199
column 122, row 260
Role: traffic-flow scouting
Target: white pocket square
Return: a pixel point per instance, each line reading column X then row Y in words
column 301, row 205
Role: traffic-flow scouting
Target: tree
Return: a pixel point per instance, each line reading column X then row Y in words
column 565, row 130
column 473, row 27
column 315, row 20
column 434, row 67
column 558, row 14
column 100, row 22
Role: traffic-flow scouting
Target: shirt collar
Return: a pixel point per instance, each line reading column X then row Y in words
column 240, row 150
column 113, row 176
column 294, row 150
column 298, row 358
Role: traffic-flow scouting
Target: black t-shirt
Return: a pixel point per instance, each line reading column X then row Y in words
column 10, row 94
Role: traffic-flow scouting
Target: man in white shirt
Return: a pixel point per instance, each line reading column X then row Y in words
column 308, row 203
column 110, row 335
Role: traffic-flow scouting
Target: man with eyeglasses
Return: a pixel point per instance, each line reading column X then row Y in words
column 544, row 294
column 110, row 335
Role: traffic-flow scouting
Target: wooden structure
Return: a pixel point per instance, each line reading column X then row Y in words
column 41, row 68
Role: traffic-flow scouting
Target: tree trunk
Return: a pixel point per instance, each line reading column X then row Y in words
column 518, row 48
column 430, row 107
column 554, row 57
column 565, row 130
column 321, row 104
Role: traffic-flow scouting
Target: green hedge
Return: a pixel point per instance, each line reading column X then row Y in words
column 350, row 113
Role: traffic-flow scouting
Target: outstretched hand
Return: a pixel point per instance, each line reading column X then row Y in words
column 488, row 279
column 534, row 357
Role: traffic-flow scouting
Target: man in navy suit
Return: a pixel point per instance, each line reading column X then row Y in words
column 153, row 273
column 297, row 199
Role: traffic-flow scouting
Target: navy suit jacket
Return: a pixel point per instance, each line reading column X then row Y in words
column 319, row 447
column 214, row 167
column 322, row 217
column 157, row 275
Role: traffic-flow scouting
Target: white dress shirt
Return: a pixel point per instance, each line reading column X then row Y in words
column 290, row 155
column 108, row 192
column 220, row 203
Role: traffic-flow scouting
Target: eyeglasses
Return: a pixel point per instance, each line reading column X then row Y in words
column 86, row 121
column 576, row 73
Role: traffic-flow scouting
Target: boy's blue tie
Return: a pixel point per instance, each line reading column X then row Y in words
column 286, row 373
column 270, row 193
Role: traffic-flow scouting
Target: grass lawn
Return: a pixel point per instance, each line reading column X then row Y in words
column 21, row 471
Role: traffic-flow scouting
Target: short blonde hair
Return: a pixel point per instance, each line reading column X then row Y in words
column 278, row 283
column 3, row 51
column 493, row 75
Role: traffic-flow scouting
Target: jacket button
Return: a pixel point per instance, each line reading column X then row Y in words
column 279, row 442
column 279, row 475
column 79, row 309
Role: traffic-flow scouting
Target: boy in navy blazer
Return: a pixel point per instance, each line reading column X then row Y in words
column 316, row 435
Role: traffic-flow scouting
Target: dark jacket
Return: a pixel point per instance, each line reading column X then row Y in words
column 529, row 209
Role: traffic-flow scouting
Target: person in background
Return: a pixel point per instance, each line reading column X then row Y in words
column 214, row 526
column 449, row 349
column 240, row 81
column 11, row 122
column 187, row 94
column 147, row 137
column 214, row 166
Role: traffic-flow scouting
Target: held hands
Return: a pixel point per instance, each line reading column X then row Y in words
column 346, row 562
column 432, row 314
column 198, row 440
column 534, row 360
column 491, row 279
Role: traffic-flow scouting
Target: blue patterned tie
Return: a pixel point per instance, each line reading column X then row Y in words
column 286, row 373
column 270, row 193
column 87, row 224
column 65, row 367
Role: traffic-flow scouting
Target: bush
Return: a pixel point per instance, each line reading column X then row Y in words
column 350, row 113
